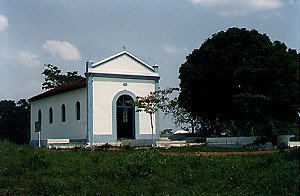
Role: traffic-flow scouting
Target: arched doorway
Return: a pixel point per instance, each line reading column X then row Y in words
column 125, row 118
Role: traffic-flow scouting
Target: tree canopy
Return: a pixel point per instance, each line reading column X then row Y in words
column 15, row 121
column 54, row 77
column 241, row 75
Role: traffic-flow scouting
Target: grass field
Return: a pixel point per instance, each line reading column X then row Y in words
column 28, row 171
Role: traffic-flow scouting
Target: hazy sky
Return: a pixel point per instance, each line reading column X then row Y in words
column 67, row 33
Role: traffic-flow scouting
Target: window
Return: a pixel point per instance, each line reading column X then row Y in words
column 63, row 113
column 50, row 115
column 40, row 115
column 124, row 103
column 77, row 110
column 125, row 115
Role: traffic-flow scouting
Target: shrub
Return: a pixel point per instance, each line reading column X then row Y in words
column 35, row 162
column 282, row 146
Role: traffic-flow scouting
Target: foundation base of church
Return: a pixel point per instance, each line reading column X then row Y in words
column 81, row 143
column 128, row 143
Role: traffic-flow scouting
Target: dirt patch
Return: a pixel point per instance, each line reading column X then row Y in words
column 220, row 153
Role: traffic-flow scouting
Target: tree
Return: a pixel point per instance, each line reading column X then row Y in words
column 160, row 100
column 54, row 78
column 182, row 118
column 7, row 118
column 151, row 104
column 15, row 121
column 241, row 76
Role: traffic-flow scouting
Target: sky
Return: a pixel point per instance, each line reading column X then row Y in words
column 67, row 33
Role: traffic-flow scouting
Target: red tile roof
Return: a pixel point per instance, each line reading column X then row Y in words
column 61, row 89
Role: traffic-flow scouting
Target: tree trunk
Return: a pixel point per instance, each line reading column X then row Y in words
column 153, row 145
column 193, row 126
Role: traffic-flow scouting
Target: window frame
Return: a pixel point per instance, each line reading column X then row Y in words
column 39, row 117
column 63, row 113
column 50, row 115
column 78, row 110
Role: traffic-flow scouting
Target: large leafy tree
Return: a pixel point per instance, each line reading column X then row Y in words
column 54, row 77
column 241, row 75
column 15, row 121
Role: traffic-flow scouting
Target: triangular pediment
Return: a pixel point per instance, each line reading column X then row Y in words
column 123, row 63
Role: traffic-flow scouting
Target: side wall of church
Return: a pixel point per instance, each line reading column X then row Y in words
column 73, row 127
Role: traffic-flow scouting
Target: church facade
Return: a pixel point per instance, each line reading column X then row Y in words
column 96, row 110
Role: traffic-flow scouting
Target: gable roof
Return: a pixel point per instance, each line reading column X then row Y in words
column 121, row 54
column 61, row 89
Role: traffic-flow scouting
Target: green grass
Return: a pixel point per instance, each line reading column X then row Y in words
column 28, row 171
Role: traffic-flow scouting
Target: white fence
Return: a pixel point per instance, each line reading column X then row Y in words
column 284, row 139
column 235, row 142
column 294, row 144
column 231, row 140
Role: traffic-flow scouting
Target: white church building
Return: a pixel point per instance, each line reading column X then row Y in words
column 95, row 110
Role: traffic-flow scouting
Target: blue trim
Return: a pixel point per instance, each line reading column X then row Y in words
column 88, row 65
column 89, row 137
column 124, row 76
column 157, row 128
column 111, row 138
column 35, row 143
column 147, row 136
column 137, row 143
column 114, row 113
column 104, row 138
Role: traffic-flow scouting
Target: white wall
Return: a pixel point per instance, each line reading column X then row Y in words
column 104, row 91
column 72, row 128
